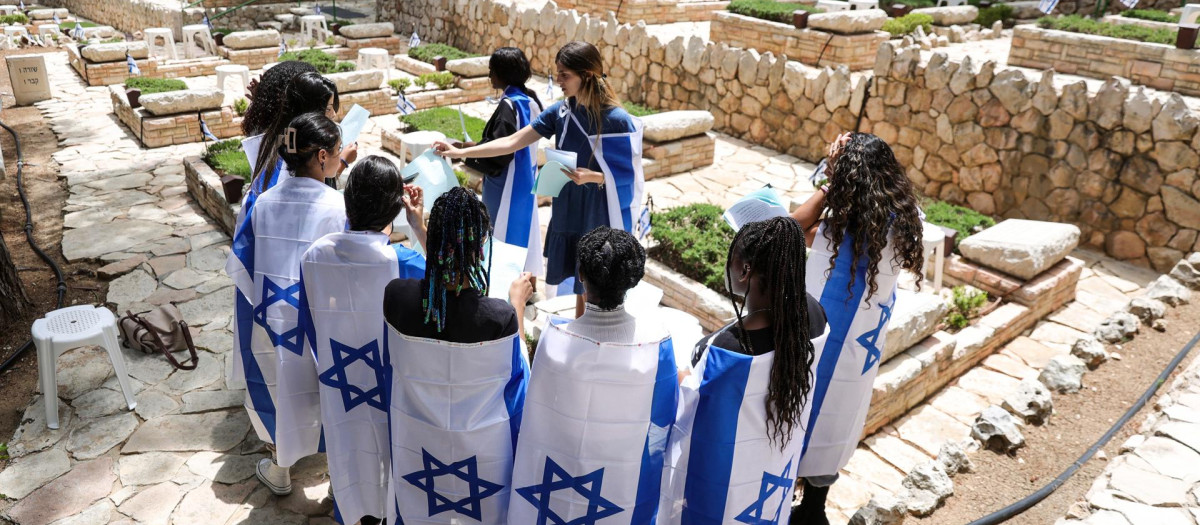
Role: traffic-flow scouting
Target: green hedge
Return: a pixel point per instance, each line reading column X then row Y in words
column 446, row 121
column 227, row 157
column 989, row 15
column 155, row 85
column 638, row 110
column 908, row 23
column 443, row 79
column 1082, row 24
column 324, row 62
column 427, row 52
column 1152, row 15
column 769, row 9
column 67, row 27
column 694, row 240
column 963, row 220
column 14, row 19
column 915, row 4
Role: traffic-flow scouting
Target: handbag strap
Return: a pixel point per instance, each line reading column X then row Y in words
column 162, row 346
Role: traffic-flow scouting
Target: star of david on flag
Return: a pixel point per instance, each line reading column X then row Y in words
column 870, row 340
column 208, row 134
column 465, row 470
column 755, row 514
column 1046, row 6
column 353, row 395
column 273, row 293
column 404, row 106
column 133, row 67
column 556, row 478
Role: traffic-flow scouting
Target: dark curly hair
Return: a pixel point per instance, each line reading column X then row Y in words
column 871, row 201
column 458, row 230
column 268, row 96
column 610, row 262
column 306, row 93
column 774, row 250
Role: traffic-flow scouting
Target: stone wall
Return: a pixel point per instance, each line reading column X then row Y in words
column 183, row 128
column 1155, row 65
column 108, row 73
column 651, row 11
column 1119, row 163
column 809, row 46
column 390, row 43
column 678, row 156
column 1088, row 7
column 251, row 58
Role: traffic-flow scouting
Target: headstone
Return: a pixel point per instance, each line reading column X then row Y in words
column 27, row 73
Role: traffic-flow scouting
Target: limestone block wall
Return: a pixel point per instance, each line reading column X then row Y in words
column 390, row 43
column 652, row 11
column 678, row 156
column 809, row 46
column 251, row 58
column 184, row 128
column 1088, row 7
column 1156, row 65
column 108, row 73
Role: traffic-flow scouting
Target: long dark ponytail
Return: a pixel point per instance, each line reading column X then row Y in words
column 512, row 68
column 775, row 251
column 307, row 93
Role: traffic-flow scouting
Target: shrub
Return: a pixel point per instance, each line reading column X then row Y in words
column 240, row 105
column 17, row 18
column 1082, row 24
column 444, row 120
column 329, row 41
column 427, row 52
column 150, row 86
column 989, row 15
column 227, row 157
column 964, row 305
column 399, row 84
column 443, row 79
column 769, row 9
column 694, row 240
column 638, row 110
column 324, row 62
column 908, row 23
column 1152, row 15
column 963, row 220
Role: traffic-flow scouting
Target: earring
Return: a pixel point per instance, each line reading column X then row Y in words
column 322, row 165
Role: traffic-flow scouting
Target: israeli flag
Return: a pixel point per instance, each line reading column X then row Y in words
column 415, row 39
column 282, row 48
column 57, row 21
column 22, row 5
column 509, row 199
column 847, row 362
column 342, row 279
column 1046, row 6
column 208, row 135
column 597, row 421
column 722, row 464
column 644, row 226
column 455, row 410
column 1129, row 3
column 549, row 86
column 133, row 67
column 463, row 122
column 317, row 9
column 620, row 158
column 264, row 264
column 77, row 33
column 404, row 106
column 208, row 22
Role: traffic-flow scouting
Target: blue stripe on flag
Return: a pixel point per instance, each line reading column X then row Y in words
column 618, row 153
column 243, row 239
column 522, row 202
column 514, row 391
column 304, row 321
column 714, row 434
column 662, row 417
column 412, row 264
column 256, row 386
column 1046, row 6
column 840, row 308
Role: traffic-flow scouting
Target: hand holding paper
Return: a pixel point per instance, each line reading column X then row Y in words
column 567, row 159
column 508, row 263
column 353, row 123
column 551, row 179
column 433, row 175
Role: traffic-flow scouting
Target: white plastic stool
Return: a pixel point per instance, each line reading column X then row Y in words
column 1190, row 15
column 73, row 327
column 233, row 70
column 415, row 143
column 197, row 34
column 168, row 36
column 15, row 31
column 934, row 241
column 313, row 26
column 373, row 58
column 830, row 6
column 8, row 9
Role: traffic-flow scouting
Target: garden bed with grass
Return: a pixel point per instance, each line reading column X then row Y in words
column 1077, row 45
column 1148, row 18
column 766, row 32
column 442, row 120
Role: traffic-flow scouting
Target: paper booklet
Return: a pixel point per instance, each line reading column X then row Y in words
column 759, row 205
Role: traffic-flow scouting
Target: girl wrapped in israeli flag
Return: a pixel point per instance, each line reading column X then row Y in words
column 740, row 430
column 602, row 399
column 607, row 143
column 871, row 231
column 457, row 373
column 342, row 278
column 281, row 381
column 510, row 178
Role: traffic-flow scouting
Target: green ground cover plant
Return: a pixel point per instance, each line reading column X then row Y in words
column 694, row 241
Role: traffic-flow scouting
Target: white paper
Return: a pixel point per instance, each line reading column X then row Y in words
column 759, row 205
column 433, row 175
column 353, row 123
column 567, row 158
column 508, row 261
column 550, row 180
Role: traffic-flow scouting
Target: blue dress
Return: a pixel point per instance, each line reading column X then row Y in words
column 579, row 209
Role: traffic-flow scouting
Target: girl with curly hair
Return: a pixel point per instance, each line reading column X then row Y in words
column 872, row 231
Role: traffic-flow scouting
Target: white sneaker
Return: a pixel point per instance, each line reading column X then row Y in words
column 278, row 479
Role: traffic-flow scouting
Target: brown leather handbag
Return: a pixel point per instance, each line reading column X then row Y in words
column 159, row 331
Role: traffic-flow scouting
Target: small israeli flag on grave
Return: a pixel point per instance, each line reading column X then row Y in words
column 208, row 22
column 208, row 134
column 1129, row 3
column 57, row 21
column 463, row 122
column 77, row 33
column 22, row 6
column 415, row 39
column 317, row 9
column 133, row 67
column 644, row 225
column 404, row 106
column 1046, row 6
column 282, row 48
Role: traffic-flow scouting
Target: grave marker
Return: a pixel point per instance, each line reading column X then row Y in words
column 29, row 80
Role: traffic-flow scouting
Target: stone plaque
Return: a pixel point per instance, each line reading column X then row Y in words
column 29, row 80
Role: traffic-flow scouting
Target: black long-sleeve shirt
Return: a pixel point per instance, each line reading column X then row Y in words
column 502, row 124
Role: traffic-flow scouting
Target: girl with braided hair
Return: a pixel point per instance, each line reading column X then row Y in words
column 457, row 366
column 602, row 402
column 872, row 231
column 741, row 417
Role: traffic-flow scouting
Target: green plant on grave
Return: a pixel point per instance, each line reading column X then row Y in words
column 638, row 110
column 113, row 40
column 993, row 13
column 67, row 27
column 1153, row 15
column 3, row 456
column 324, row 62
column 427, row 52
column 464, row 180
column 909, row 23
column 240, row 105
column 915, row 4
column 329, row 41
column 443, row 79
column 444, row 120
column 399, row 84
column 312, row 42
column 965, row 303
column 1085, row 25
column 694, row 241
column 17, row 18
column 149, row 86
column 963, row 220
column 769, row 9
column 227, row 157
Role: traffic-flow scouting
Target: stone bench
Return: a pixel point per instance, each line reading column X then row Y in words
column 114, row 52
column 1021, row 248
column 48, row 14
column 358, row 36
column 253, row 49
column 677, row 141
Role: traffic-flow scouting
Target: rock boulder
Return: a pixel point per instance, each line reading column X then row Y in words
column 1063, row 374
column 114, row 52
column 185, row 101
column 252, row 39
column 1118, row 328
column 1021, row 247
column 997, row 430
column 379, row 29
column 1090, row 351
column 469, row 67
column 672, row 125
column 949, row 16
column 1031, row 401
column 352, row 81
column 848, row 22
column 1169, row 291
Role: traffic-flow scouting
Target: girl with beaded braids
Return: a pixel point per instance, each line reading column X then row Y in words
column 458, row 369
column 607, row 143
column 742, row 408
column 871, row 231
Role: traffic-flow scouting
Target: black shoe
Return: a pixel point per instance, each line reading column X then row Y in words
column 811, row 510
